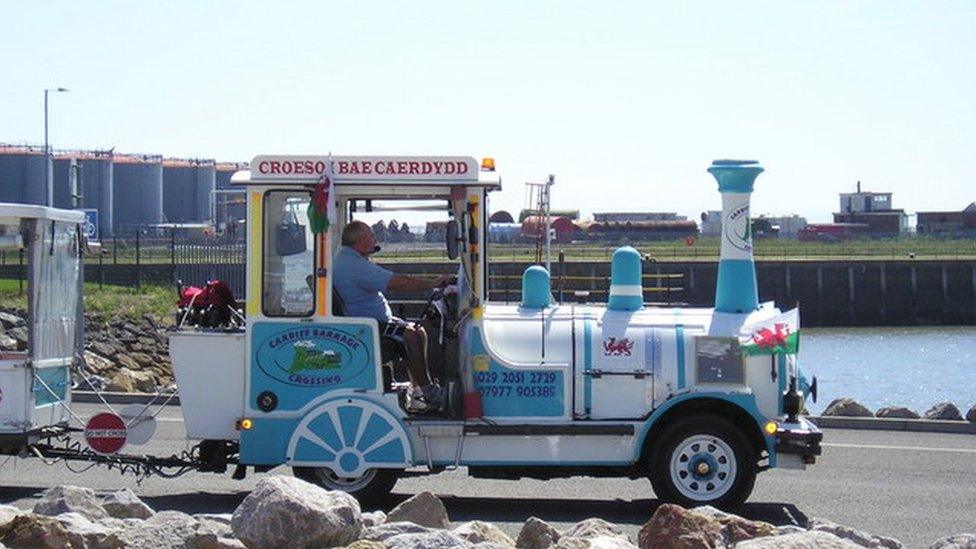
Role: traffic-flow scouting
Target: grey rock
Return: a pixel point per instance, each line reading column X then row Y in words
column 847, row 407
column 68, row 499
column 958, row 541
column 127, row 361
column 169, row 530
column 36, row 531
column 103, row 349
column 897, row 412
column 21, row 337
column 594, row 542
column 594, row 527
column 374, row 518
column 84, row 532
column 424, row 509
column 8, row 513
column 7, row 343
column 491, row 545
column 788, row 529
column 437, row 539
column 366, row 544
column 863, row 539
column 477, row 531
column 9, row 320
column 126, row 504
column 945, row 411
column 97, row 363
column 537, row 534
column 386, row 531
column 285, row 511
column 971, row 414
column 123, row 381
column 813, row 539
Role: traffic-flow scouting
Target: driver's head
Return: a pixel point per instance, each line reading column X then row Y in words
column 358, row 236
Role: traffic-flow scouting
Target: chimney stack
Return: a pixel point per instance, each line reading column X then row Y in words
column 736, row 290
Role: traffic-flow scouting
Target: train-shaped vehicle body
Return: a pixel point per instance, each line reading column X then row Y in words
column 698, row 400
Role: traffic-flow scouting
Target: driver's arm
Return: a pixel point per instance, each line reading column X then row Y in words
column 405, row 283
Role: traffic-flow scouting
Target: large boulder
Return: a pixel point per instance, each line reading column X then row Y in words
column 971, row 414
column 8, row 513
column 943, row 410
column 383, row 532
column 811, row 539
column 476, row 531
column 959, row 541
column 435, row 539
column 896, row 412
column 86, row 533
column 126, row 504
column 103, row 348
column 7, row 343
column 847, row 407
column 595, row 542
column 672, row 526
column 70, row 499
column 374, row 518
column 537, row 534
column 735, row 528
column 863, row 539
column 170, row 530
column 122, row 381
column 35, row 532
column 10, row 320
column 594, row 527
column 285, row 511
column 424, row 509
column 218, row 522
column 20, row 336
column 366, row 544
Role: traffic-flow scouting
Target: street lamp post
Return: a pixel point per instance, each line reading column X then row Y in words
column 47, row 150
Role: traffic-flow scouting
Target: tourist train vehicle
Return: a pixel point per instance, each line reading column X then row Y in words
column 698, row 400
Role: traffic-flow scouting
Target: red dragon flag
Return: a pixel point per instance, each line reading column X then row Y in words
column 779, row 335
column 321, row 211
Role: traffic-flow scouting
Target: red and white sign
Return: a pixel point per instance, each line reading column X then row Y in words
column 365, row 168
column 106, row 433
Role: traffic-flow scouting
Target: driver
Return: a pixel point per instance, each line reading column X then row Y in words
column 361, row 283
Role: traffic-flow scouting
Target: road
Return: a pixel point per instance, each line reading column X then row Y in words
column 915, row 487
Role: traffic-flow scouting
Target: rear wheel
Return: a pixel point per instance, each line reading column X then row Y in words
column 373, row 485
column 703, row 460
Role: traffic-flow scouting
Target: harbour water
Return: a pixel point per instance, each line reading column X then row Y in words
column 913, row 367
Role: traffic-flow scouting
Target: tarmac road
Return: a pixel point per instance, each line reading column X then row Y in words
column 915, row 487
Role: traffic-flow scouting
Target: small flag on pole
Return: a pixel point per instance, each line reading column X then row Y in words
column 321, row 211
column 779, row 335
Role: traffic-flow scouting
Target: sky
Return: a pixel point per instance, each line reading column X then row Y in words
column 626, row 103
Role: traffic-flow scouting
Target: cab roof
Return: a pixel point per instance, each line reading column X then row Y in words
column 367, row 170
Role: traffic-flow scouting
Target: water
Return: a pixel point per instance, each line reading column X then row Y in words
column 913, row 367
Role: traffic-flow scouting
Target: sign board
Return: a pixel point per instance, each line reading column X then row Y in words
column 90, row 228
column 106, row 433
column 365, row 168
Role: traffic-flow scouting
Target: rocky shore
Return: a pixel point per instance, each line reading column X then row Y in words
column 284, row 511
column 943, row 411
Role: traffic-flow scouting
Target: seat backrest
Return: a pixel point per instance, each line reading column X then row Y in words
column 338, row 305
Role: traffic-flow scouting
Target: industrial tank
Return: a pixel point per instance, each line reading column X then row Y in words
column 95, row 184
column 231, row 206
column 22, row 174
column 138, row 190
column 188, row 188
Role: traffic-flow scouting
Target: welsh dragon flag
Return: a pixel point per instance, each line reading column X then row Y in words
column 779, row 335
column 321, row 210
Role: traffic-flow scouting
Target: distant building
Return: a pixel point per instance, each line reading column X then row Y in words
column 572, row 215
column 501, row 216
column 874, row 210
column 787, row 226
column 961, row 223
column 634, row 217
column 832, row 232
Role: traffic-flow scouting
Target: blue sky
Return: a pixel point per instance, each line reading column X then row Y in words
column 626, row 103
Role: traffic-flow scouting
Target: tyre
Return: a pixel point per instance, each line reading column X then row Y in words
column 374, row 485
column 703, row 460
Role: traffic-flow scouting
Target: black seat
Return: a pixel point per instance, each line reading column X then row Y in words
column 391, row 349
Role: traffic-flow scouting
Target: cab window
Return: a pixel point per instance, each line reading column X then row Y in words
column 289, row 255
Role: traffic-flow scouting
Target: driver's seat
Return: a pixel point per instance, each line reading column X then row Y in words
column 392, row 350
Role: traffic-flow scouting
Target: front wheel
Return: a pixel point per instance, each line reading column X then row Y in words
column 373, row 485
column 703, row 460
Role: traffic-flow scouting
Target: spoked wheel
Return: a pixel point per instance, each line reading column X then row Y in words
column 703, row 460
column 373, row 485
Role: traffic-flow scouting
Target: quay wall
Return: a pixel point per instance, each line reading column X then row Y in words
column 829, row 293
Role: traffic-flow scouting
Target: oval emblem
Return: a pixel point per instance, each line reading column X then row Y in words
column 314, row 356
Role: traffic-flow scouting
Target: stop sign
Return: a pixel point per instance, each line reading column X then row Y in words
column 105, row 433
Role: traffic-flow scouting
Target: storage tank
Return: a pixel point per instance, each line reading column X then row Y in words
column 188, row 187
column 137, row 190
column 95, row 184
column 22, row 174
column 231, row 204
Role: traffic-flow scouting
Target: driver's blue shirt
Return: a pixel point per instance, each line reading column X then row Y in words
column 360, row 283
